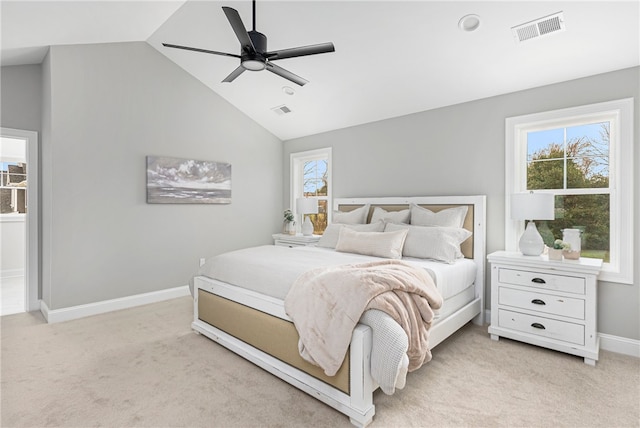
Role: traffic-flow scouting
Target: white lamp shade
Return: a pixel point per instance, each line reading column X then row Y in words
column 307, row 206
column 532, row 206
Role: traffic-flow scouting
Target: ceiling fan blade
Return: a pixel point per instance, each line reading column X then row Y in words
column 286, row 74
column 235, row 73
column 300, row 51
column 199, row 50
column 238, row 27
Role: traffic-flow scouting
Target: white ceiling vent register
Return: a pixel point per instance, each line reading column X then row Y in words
column 280, row 110
column 538, row 28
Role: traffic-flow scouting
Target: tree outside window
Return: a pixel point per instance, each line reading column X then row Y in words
column 574, row 163
column 582, row 155
column 311, row 178
column 315, row 177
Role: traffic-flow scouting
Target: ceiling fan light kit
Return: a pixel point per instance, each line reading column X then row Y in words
column 253, row 65
column 253, row 52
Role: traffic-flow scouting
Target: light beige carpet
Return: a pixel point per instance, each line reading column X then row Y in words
column 144, row 367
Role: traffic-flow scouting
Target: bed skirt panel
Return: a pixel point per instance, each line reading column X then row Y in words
column 270, row 334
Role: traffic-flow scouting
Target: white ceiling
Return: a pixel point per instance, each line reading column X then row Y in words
column 392, row 58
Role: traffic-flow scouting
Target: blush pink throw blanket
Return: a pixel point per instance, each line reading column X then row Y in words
column 326, row 303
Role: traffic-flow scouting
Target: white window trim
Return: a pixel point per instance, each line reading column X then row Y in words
column 32, row 232
column 295, row 169
column 620, row 180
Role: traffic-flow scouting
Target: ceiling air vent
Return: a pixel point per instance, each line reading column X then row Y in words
column 280, row 110
column 538, row 28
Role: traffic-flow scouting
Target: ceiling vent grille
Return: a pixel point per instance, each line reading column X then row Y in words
column 280, row 110
column 538, row 28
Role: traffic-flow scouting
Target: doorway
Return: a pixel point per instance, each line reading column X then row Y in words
column 19, row 255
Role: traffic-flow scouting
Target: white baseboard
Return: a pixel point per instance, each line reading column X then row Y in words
column 81, row 311
column 608, row 342
column 621, row 345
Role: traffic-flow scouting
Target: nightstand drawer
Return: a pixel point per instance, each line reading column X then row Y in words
column 283, row 243
column 540, row 326
column 569, row 284
column 541, row 302
column 286, row 240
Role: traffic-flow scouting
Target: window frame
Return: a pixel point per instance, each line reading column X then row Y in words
column 620, row 113
column 32, row 216
column 296, row 178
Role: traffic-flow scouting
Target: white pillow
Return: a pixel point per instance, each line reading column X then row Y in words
column 378, row 244
column 330, row 236
column 438, row 243
column 450, row 217
column 357, row 216
column 391, row 216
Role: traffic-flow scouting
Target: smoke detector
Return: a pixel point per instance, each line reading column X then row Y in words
column 469, row 23
column 540, row 27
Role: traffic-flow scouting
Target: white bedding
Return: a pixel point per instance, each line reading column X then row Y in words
column 452, row 278
column 389, row 365
column 231, row 268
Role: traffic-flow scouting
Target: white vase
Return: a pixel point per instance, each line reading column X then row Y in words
column 289, row 227
column 572, row 237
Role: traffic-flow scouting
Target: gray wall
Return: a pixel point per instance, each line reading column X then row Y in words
column 104, row 108
column 459, row 150
column 21, row 89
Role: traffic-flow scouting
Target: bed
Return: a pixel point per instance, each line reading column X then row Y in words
column 251, row 319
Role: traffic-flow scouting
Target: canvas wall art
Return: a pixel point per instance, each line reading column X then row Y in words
column 187, row 181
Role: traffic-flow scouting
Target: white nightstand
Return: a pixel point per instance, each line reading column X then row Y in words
column 294, row 240
column 546, row 303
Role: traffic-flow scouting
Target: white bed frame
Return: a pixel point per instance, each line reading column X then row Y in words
column 358, row 405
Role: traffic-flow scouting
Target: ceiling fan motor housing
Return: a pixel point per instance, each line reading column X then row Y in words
column 255, row 61
column 253, row 53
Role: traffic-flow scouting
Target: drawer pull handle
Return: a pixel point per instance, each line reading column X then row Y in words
column 537, row 325
column 538, row 281
column 538, row 302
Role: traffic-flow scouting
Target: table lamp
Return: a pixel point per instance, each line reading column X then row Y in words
column 307, row 206
column 532, row 206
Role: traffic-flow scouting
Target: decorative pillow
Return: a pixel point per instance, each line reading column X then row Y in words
column 391, row 216
column 378, row 244
column 330, row 236
column 357, row 216
column 450, row 217
column 438, row 243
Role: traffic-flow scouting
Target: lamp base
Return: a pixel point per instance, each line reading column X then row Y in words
column 531, row 243
column 307, row 227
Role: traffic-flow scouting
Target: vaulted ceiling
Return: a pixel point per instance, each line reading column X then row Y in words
column 391, row 58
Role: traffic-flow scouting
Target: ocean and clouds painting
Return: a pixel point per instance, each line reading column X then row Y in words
column 187, row 181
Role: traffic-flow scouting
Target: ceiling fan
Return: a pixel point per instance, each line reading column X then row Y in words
column 253, row 53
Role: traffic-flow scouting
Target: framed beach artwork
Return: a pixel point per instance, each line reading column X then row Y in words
column 187, row 181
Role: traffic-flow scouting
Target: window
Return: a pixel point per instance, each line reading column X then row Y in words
column 583, row 156
column 13, row 175
column 311, row 177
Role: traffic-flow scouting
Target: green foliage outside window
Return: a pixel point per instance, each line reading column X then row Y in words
column 577, row 163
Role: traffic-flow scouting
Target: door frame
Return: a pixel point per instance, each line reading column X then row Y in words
column 32, row 229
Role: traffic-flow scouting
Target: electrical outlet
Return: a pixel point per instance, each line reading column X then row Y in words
column 202, row 261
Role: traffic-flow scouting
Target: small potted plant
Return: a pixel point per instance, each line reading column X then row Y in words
column 289, row 223
column 559, row 246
